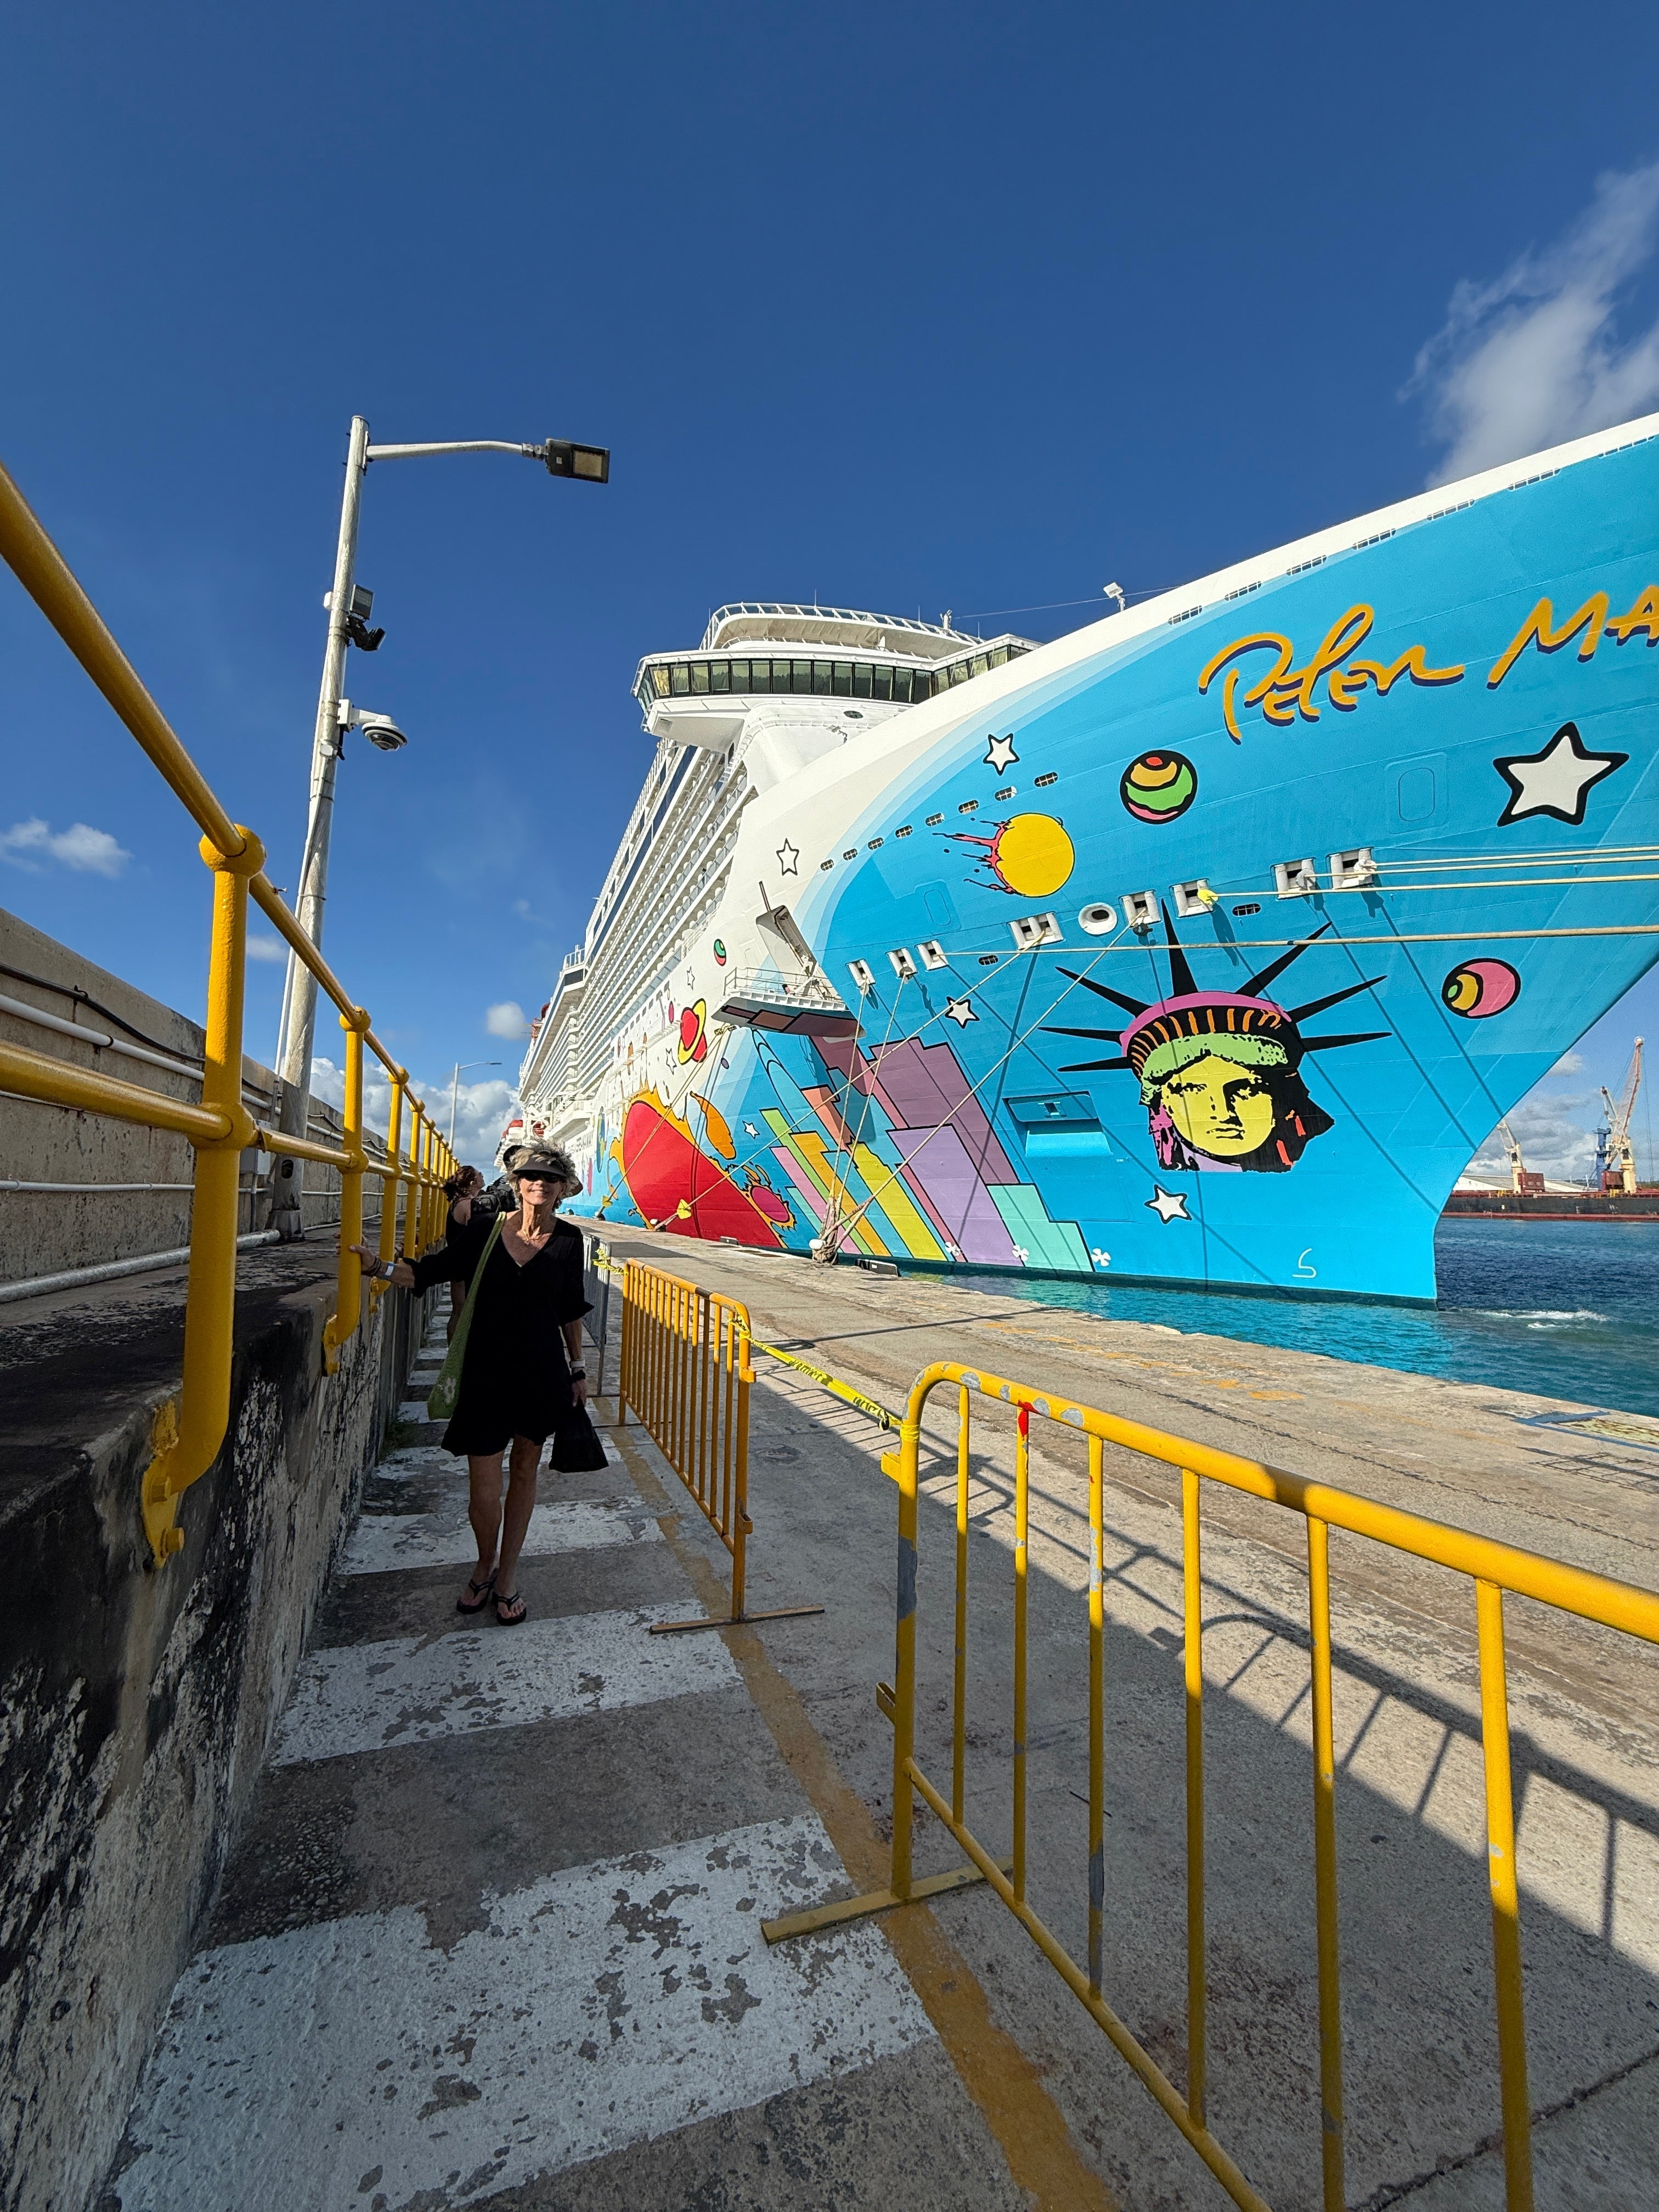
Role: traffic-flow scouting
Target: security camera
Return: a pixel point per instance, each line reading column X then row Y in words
column 380, row 730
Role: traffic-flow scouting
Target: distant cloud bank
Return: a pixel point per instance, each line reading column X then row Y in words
column 87, row 851
column 1534, row 357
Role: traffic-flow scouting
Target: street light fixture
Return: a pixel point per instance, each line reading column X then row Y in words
column 348, row 609
column 461, row 1067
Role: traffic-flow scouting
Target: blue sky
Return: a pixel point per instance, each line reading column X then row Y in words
column 939, row 306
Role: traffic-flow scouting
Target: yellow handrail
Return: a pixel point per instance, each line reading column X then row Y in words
column 190, row 1430
column 1492, row 1566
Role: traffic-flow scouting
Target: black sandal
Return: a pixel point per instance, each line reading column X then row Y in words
column 509, row 1619
column 482, row 1592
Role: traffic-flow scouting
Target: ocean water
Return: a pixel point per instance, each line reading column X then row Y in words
column 1567, row 1309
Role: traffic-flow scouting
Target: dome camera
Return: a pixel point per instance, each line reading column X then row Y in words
column 380, row 730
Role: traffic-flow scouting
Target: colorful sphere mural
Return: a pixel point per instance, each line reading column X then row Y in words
column 1158, row 786
column 1481, row 988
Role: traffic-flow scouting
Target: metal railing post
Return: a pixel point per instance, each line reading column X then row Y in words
column 959, row 1684
column 341, row 1323
column 741, row 1523
column 904, row 1647
column 412, row 1191
column 390, row 1185
column 1331, row 2130
column 1505, row 1899
column 1193, row 1611
column 1022, row 1549
column 189, row 1436
column 1096, row 1714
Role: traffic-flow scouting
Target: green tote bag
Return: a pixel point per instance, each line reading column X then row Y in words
column 440, row 1398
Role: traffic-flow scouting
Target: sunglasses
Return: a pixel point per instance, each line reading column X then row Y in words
column 541, row 1180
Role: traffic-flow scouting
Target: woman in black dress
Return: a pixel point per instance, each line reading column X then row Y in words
column 522, row 1369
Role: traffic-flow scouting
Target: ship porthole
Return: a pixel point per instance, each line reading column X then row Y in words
column 1098, row 921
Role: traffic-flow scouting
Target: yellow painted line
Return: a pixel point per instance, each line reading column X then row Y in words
column 1005, row 2084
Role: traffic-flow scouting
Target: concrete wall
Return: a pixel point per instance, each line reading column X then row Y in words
column 42, row 1232
column 135, row 1704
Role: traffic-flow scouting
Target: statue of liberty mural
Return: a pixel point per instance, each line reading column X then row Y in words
column 1220, row 1072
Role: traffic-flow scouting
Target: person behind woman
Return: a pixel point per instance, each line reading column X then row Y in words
column 462, row 1190
column 522, row 1369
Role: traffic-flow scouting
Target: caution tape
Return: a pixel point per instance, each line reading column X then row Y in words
column 882, row 1415
column 833, row 1385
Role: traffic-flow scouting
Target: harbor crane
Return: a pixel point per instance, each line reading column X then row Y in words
column 1522, row 1181
column 1615, row 1154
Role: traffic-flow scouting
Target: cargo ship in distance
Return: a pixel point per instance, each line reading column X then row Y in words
column 1202, row 945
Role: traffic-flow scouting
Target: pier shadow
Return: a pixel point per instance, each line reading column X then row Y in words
column 1418, row 2020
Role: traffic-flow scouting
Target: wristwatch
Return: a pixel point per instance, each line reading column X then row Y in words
column 579, row 1375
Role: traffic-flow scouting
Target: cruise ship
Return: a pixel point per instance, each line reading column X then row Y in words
column 1203, row 944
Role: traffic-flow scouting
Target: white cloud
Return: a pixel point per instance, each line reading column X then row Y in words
column 87, row 851
column 481, row 1110
column 507, row 1020
column 1552, row 1142
column 266, row 948
column 1571, row 1063
column 1534, row 357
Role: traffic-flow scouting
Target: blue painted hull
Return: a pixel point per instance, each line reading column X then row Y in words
column 1153, row 1103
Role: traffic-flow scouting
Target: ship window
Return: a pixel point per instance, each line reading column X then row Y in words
column 979, row 663
column 1043, row 782
column 904, row 832
column 998, row 655
column 901, row 683
column 843, row 684
column 922, row 686
column 679, row 680
column 822, row 675
column 719, row 675
column 739, row 675
column 803, row 676
column 699, row 676
column 883, row 680
column 660, row 682
column 933, row 820
column 861, row 674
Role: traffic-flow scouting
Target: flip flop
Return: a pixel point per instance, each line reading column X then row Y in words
column 508, row 1619
column 482, row 1593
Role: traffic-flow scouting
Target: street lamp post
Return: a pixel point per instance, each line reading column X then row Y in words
column 346, row 625
column 461, row 1067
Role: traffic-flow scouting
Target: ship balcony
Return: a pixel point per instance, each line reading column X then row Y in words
column 760, row 998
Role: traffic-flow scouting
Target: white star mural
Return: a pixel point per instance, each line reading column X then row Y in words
column 788, row 858
column 1169, row 1204
column 999, row 754
column 1555, row 782
column 960, row 1011
column 749, row 1130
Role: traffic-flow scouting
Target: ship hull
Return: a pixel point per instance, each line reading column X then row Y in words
column 1275, row 1081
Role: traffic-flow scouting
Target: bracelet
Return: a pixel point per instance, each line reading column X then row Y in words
column 387, row 1270
column 579, row 1375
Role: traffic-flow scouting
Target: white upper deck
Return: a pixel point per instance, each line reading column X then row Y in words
column 769, row 622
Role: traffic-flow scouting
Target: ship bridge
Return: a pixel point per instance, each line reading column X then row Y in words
column 759, row 649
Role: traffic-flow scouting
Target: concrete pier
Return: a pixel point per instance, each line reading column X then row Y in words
column 492, row 1937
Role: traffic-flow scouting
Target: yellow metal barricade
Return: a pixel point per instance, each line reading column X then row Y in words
column 1493, row 1567
column 190, row 1429
column 686, row 1373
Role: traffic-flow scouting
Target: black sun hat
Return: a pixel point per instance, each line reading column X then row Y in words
column 543, row 1160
